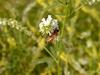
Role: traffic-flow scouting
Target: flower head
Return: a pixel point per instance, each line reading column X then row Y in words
column 47, row 26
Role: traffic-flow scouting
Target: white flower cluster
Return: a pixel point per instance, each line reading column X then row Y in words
column 47, row 26
column 3, row 21
column 91, row 2
column 10, row 22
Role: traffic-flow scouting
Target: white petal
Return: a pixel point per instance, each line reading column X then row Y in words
column 49, row 18
column 43, row 19
column 55, row 24
column 41, row 25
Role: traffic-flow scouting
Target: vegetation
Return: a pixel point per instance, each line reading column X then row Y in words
column 24, row 50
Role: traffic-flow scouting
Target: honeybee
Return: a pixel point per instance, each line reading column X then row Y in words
column 53, row 35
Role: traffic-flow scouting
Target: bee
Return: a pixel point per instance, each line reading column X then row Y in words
column 53, row 35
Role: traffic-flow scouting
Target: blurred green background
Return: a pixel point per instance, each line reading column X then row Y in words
column 26, row 53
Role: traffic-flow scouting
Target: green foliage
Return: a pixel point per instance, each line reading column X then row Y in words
column 23, row 51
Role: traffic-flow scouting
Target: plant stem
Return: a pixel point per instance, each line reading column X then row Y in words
column 64, row 22
column 51, row 54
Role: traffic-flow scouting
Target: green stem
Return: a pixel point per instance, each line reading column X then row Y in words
column 57, row 62
column 64, row 22
column 59, row 69
column 51, row 55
